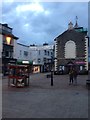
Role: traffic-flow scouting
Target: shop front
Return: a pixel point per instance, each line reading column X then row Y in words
column 27, row 63
column 36, row 69
column 47, row 67
column 5, row 63
column 81, row 67
column 78, row 65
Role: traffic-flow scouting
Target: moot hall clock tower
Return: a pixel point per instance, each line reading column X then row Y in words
column 71, row 49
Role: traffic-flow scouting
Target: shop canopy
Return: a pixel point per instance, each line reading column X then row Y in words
column 24, row 62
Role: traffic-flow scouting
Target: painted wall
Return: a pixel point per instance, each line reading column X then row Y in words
column 15, row 49
column 38, row 53
column 19, row 52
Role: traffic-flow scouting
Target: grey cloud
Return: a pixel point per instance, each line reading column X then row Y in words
column 44, row 28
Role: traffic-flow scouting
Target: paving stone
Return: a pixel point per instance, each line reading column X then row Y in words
column 41, row 100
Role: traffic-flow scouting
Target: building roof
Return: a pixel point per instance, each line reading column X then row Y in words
column 41, row 47
column 6, row 25
column 22, row 45
column 6, row 32
column 76, row 30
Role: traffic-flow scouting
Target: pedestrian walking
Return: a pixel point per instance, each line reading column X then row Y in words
column 75, row 74
column 71, row 76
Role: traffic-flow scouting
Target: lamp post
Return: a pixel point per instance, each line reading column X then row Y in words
column 51, row 77
column 52, row 71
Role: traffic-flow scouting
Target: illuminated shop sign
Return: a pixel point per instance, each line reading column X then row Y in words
column 25, row 62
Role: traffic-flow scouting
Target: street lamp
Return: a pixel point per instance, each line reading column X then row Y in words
column 8, row 40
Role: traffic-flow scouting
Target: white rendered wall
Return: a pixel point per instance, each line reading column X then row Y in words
column 15, row 49
column 21, row 48
column 34, row 53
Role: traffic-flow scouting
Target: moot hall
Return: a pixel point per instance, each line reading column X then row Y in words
column 71, row 49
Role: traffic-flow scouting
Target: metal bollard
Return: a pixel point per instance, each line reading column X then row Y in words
column 51, row 78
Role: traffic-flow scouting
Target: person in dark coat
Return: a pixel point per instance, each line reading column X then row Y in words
column 71, row 76
column 75, row 73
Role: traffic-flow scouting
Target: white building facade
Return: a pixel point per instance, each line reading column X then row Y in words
column 21, row 52
column 12, row 52
column 41, row 56
column 71, row 50
column 7, row 44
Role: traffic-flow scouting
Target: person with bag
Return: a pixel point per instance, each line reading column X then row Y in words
column 71, row 76
column 75, row 76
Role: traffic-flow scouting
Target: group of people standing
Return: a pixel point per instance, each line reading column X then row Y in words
column 73, row 76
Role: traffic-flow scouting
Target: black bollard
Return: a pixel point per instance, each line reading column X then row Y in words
column 51, row 78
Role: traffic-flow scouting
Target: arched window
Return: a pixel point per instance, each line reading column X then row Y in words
column 70, row 49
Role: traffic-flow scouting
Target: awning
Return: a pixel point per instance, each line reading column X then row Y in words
column 24, row 62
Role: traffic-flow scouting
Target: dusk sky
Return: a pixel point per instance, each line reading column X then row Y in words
column 40, row 22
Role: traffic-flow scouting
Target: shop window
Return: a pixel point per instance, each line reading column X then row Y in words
column 81, row 68
column 60, row 68
column 36, row 69
column 63, row 67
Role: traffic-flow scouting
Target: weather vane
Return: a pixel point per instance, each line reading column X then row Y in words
column 76, row 18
